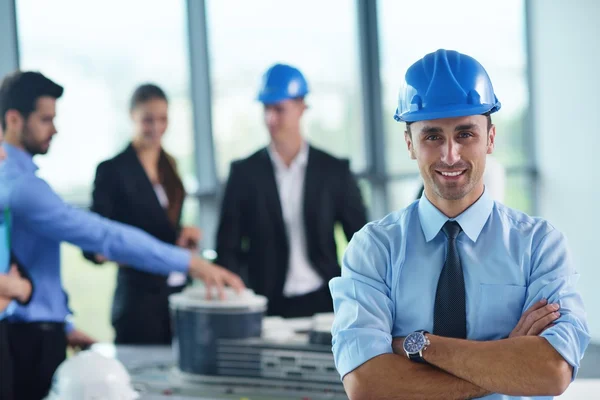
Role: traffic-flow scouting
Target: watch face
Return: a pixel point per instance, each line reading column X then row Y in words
column 414, row 342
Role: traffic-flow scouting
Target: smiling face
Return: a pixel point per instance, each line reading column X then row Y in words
column 451, row 154
column 151, row 119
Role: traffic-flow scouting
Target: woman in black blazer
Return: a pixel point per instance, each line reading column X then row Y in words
column 141, row 187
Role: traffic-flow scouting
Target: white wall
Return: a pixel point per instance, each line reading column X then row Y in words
column 565, row 99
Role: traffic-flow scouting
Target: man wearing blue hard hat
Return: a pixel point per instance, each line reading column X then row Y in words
column 456, row 296
column 281, row 205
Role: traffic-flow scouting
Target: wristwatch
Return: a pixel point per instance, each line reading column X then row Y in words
column 414, row 345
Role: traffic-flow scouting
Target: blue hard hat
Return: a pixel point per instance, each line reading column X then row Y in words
column 282, row 82
column 445, row 84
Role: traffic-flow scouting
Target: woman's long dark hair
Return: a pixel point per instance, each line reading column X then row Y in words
column 167, row 168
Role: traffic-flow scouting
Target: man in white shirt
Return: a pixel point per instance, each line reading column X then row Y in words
column 282, row 203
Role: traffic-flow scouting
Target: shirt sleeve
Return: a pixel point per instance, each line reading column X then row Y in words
column 10, row 308
column 69, row 324
column 553, row 277
column 39, row 208
column 363, row 307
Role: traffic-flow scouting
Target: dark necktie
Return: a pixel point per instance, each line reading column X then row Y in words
column 449, row 313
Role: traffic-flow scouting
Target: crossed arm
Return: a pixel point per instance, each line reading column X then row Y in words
column 393, row 377
column 522, row 365
column 538, row 357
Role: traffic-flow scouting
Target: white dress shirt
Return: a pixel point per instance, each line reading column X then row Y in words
column 301, row 277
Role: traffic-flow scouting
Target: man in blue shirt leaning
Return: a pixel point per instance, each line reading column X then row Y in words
column 431, row 301
column 13, row 288
column 38, row 333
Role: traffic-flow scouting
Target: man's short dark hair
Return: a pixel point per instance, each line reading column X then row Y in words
column 21, row 90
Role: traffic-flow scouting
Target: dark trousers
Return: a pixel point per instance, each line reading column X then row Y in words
column 140, row 315
column 6, row 375
column 37, row 351
column 305, row 305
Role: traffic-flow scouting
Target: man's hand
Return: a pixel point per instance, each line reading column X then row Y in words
column 13, row 287
column 22, row 285
column 536, row 319
column 80, row 340
column 214, row 276
column 189, row 237
column 6, row 298
column 99, row 258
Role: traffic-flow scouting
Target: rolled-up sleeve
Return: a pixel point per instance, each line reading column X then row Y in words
column 363, row 308
column 553, row 277
column 10, row 308
column 42, row 210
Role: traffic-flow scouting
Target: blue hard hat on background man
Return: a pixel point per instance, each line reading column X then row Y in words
column 445, row 84
column 282, row 82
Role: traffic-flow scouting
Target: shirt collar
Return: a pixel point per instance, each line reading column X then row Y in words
column 471, row 220
column 19, row 156
column 300, row 160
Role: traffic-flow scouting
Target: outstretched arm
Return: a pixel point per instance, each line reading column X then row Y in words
column 41, row 210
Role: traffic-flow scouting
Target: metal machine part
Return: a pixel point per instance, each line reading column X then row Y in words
column 274, row 359
column 198, row 325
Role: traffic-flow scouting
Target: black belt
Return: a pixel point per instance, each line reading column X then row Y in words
column 42, row 326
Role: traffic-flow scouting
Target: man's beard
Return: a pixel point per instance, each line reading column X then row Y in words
column 31, row 146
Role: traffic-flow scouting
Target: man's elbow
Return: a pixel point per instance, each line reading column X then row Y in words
column 356, row 386
column 559, row 378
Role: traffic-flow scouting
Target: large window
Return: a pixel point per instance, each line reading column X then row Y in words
column 319, row 37
column 410, row 29
column 100, row 51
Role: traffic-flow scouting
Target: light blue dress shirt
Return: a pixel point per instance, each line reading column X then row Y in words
column 510, row 261
column 41, row 221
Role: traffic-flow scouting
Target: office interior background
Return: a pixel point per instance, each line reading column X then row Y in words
column 542, row 55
